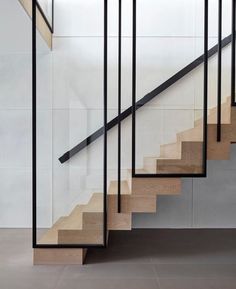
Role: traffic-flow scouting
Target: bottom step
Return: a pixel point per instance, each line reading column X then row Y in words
column 59, row 256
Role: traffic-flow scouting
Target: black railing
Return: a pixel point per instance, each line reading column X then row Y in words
column 34, row 137
column 219, row 71
column 134, row 103
column 119, row 104
column 233, row 99
column 205, row 57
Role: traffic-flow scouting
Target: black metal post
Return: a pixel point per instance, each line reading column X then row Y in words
column 219, row 72
column 233, row 100
column 134, row 90
column 34, row 116
column 105, row 120
column 53, row 6
column 119, row 104
column 205, row 134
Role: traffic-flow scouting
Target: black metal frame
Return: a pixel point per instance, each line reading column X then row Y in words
column 34, row 137
column 135, row 104
column 119, row 105
column 233, row 99
column 219, row 71
column 50, row 26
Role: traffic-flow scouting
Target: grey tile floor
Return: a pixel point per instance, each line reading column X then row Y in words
column 141, row 259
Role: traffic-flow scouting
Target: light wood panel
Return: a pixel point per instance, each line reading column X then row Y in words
column 156, row 186
column 120, row 221
column 59, row 256
column 217, row 150
column 81, row 237
column 190, row 162
column 133, row 203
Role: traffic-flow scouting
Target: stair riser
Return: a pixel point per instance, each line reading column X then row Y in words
column 156, row 186
column 59, row 256
column 119, row 221
column 93, row 221
column 80, row 237
column 132, row 204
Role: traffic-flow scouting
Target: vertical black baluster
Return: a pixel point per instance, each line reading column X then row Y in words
column 219, row 71
column 105, row 120
column 205, row 86
column 53, row 16
column 119, row 102
column 134, row 91
column 233, row 55
column 34, row 128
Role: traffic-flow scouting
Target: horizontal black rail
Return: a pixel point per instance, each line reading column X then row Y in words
column 148, row 97
column 50, row 26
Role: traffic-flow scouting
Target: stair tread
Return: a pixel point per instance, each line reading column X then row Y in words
column 113, row 187
column 50, row 236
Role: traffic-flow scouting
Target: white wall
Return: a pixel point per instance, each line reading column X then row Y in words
column 70, row 107
column 15, row 116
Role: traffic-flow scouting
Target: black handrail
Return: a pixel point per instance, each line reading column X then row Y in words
column 148, row 97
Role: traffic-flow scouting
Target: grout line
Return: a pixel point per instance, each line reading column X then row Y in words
column 130, row 37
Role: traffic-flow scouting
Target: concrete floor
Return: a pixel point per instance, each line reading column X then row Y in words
column 141, row 259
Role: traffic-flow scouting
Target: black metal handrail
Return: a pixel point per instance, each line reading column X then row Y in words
column 147, row 98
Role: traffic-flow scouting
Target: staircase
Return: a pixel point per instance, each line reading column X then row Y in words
column 139, row 195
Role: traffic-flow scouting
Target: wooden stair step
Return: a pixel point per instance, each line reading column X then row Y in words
column 93, row 221
column 80, row 237
column 133, row 203
column 122, row 221
column 191, row 161
column 171, row 151
column 59, row 256
column 167, row 151
column 212, row 113
column 50, row 236
column 113, row 188
column 229, row 131
column 217, row 150
column 194, row 134
column 156, row 186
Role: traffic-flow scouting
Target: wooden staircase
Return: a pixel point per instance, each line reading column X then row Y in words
column 139, row 195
